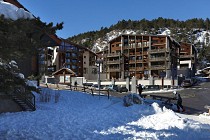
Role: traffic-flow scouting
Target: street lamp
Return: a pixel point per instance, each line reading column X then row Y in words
column 99, row 61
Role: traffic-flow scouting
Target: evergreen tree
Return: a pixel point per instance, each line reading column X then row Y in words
column 23, row 37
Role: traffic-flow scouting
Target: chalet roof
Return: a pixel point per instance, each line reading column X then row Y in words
column 16, row 3
column 190, row 45
column 79, row 46
column 174, row 41
column 51, row 40
column 62, row 70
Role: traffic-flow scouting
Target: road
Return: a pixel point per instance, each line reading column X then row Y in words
column 194, row 98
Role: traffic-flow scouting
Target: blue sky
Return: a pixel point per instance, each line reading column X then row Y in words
column 81, row 16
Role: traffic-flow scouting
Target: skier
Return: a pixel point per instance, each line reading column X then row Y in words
column 179, row 101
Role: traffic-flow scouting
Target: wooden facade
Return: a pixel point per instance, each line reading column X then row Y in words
column 63, row 75
column 68, row 55
column 188, row 57
column 142, row 56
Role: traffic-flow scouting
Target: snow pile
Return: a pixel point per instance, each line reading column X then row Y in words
column 32, row 83
column 202, row 36
column 10, row 11
column 82, row 116
column 165, row 31
column 102, row 43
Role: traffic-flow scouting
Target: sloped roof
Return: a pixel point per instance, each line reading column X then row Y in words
column 16, row 3
column 145, row 35
column 51, row 40
column 67, row 70
column 79, row 46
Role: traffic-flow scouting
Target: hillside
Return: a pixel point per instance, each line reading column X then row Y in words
column 193, row 31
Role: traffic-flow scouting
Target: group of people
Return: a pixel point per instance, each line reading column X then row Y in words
column 176, row 94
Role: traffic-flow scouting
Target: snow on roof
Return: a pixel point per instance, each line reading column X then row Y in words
column 64, row 69
column 10, row 11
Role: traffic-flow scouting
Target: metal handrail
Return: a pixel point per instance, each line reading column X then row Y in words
column 27, row 100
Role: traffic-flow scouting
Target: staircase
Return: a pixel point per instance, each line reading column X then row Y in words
column 25, row 100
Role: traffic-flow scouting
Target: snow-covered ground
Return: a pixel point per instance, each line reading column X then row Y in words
column 82, row 116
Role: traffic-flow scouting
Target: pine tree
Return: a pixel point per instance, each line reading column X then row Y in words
column 23, row 37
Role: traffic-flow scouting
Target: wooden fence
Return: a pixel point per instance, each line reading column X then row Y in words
column 87, row 89
column 92, row 91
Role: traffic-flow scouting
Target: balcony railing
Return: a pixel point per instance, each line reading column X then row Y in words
column 158, row 59
column 157, row 67
column 114, row 69
column 158, row 44
column 65, row 50
column 113, row 62
column 136, row 69
column 186, row 56
column 157, row 50
column 139, row 61
column 113, row 54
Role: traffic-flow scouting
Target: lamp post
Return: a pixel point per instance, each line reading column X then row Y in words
column 99, row 61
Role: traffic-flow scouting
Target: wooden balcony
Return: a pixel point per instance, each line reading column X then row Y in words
column 113, row 55
column 139, row 61
column 157, row 67
column 138, row 53
column 62, row 50
column 136, row 69
column 157, row 50
column 158, row 59
column 113, row 62
column 138, row 46
column 132, row 62
column 158, row 44
column 186, row 56
column 145, row 53
column 113, row 69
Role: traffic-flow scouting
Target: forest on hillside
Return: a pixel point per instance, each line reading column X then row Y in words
column 180, row 30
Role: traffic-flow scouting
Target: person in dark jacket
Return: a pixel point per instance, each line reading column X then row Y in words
column 140, row 89
column 179, row 101
column 75, row 85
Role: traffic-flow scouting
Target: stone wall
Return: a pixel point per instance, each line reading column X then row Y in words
column 7, row 104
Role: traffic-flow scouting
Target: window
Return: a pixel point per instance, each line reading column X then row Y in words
column 68, row 60
column 67, row 54
column 94, row 71
column 74, row 60
column 85, row 71
column 84, row 56
column 139, row 58
column 74, row 67
column 74, row 54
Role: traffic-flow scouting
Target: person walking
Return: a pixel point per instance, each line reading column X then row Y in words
column 179, row 101
column 140, row 90
column 75, row 85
